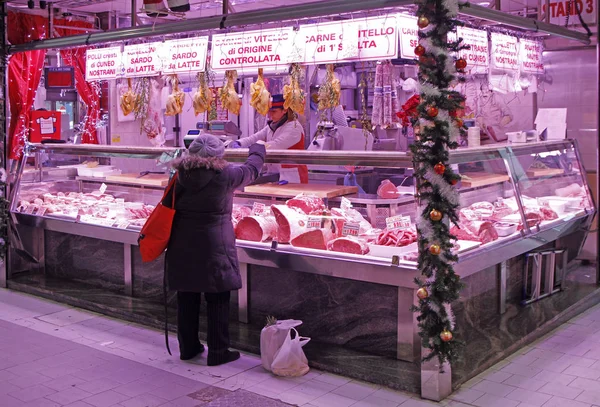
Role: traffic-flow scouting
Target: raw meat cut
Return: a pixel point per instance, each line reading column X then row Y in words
column 239, row 212
column 307, row 203
column 396, row 238
column 313, row 239
column 548, row 214
column 348, row 245
column 256, row 228
column 484, row 209
column 351, row 215
column 478, row 231
column 387, row 190
column 501, row 209
column 290, row 222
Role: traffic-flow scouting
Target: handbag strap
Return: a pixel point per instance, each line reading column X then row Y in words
column 169, row 188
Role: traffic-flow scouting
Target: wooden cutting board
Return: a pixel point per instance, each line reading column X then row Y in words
column 156, row 180
column 477, row 179
column 544, row 172
column 291, row 190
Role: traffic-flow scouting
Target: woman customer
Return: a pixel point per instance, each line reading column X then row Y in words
column 201, row 256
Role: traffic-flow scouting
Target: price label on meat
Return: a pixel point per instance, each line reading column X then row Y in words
column 530, row 55
column 346, row 204
column 103, row 63
column 258, row 209
column 397, row 222
column 477, row 56
column 41, row 211
column 504, row 52
column 123, row 224
column 186, row 55
column 29, row 210
column 314, row 222
column 142, row 59
column 409, row 36
column 350, row 229
column 329, row 42
column 273, row 48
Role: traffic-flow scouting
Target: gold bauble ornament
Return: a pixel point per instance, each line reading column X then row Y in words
column 446, row 335
column 435, row 215
column 435, row 249
column 422, row 293
column 422, row 22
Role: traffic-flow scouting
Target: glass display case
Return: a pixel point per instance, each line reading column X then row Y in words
column 357, row 206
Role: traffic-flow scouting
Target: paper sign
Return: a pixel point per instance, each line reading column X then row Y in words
column 560, row 9
column 329, row 42
column 554, row 121
column 530, row 55
column 103, row 188
column 504, row 52
column 120, row 201
column 41, row 211
column 258, row 209
column 185, row 55
column 470, row 214
column 103, row 63
column 350, row 229
column 256, row 49
column 29, row 210
column 97, row 221
column 346, row 204
column 409, row 35
column 123, row 224
column 397, row 222
column 290, row 175
column 377, row 38
column 142, row 59
column 543, row 203
column 477, row 56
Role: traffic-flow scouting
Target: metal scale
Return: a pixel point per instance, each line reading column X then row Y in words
column 227, row 131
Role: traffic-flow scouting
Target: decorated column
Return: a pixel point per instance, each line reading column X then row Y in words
column 437, row 129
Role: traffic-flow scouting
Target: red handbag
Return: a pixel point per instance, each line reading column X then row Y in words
column 154, row 236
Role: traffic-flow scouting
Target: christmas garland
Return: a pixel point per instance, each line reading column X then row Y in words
column 437, row 130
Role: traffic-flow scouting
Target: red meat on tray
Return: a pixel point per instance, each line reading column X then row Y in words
column 307, row 203
column 348, row 245
column 313, row 239
column 387, row 190
column 256, row 228
column 477, row 231
column 290, row 222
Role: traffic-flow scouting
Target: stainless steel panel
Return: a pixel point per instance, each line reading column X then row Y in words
column 502, row 275
column 128, row 269
column 243, row 294
column 409, row 341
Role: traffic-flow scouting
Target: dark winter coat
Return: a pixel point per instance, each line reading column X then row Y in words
column 201, row 256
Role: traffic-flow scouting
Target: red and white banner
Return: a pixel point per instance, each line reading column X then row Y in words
column 530, row 56
column 478, row 55
column 409, row 35
column 359, row 40
column 559, row 10
column 505, row 52
column 271, row 48
column 142, row 59
column 103, row 63
column 185, row 55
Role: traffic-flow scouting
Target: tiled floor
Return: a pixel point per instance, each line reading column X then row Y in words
column 55, row 355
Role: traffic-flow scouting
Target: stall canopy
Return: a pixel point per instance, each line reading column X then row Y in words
column 25, row 71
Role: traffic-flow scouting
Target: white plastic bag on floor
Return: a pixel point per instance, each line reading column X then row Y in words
column 290, row 360
column 272, row 337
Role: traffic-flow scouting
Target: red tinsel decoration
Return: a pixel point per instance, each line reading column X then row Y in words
column 409, row 110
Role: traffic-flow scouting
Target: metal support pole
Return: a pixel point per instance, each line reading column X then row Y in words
column 597, row 142
column 243, row 294
column 50, row 21
column 128, row 269
column 133, row 13
column 502, row 276
column 4, row 268
column 225, row 7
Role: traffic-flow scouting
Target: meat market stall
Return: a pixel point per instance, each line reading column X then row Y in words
column 339, row 252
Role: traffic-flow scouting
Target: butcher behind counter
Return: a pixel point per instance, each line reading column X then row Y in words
column 282, row 132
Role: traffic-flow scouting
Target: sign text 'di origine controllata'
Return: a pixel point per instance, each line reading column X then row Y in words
column 103, row 63
column 255, row 49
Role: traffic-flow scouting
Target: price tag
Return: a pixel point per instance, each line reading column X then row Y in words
column 120, row 201
column 123, row 224
column 258, row 209
column 470, row 215
column 346, row 204
column 314, row 222
column 543, row 202
column 350, row 229
column 30, row 209
column 41, row 211
column 103, row 188
column 397, row 222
